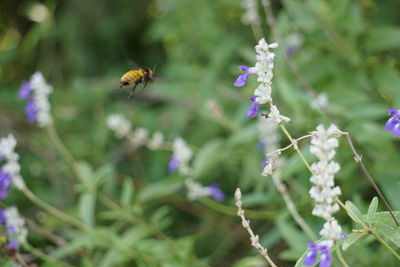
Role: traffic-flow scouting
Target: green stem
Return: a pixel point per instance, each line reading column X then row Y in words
column 340, row 256
column 44, row 256
column 295, row 146
column 386, row 245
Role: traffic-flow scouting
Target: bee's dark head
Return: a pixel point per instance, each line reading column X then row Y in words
column 149, row 74
column 123, row 84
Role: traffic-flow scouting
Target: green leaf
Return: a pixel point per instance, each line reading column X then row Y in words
column 127, row 193
column 354, row 212
column 383, row 38
column 84, row 240
column 160, row 189
column 208, row 157
column 351, row 239
column 85, row 170
column 384, row 225
column 372, row 209
column 87, row 206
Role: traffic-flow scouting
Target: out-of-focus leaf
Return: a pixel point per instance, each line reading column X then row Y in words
column 84, row 240
column 127, row 193
column 244, row 135
column 163, row 188
column 383, row 38
column 250, row 262
column 87, row 206
column 207, row 158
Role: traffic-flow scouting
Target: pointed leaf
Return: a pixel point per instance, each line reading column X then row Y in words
column 372, row 209
column 127, row 193
column 354, row 212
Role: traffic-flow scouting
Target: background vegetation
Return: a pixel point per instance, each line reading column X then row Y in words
column 350, row 51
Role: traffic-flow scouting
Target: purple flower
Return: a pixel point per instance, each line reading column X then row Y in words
column 31, row 111
column 311, row 258
column 262, row 145
column 25, row 90
column 5, row 183
column 10, row 230
column 13, row 244
column 393, row 123
column 253, row 109
column 242, row 79
column 173, row 164
column 2, row 217
column 216, row 193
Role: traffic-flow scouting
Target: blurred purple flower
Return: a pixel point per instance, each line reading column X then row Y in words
column 393, row 124
column 25, row 90
column 173, row 164
column 2, row 217
column 253, row 109
column 5, row 183
column 10, row 230
column 216, row 193
column 311, row 257
column 242, row 79
column 13, row 244
column 31, row 111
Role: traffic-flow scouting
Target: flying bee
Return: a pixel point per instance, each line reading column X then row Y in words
column 136, row 77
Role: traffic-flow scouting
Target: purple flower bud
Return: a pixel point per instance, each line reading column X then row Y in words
column 262, row 145
column 13, row 244
column 5, row 183
column 31, row 111
column 25, row 90
column 216, row 193
column 393, row 124
column 173, row 164
column 253, row 109
column 242, row 79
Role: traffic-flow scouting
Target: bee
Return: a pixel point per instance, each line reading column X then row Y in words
column 136, row 77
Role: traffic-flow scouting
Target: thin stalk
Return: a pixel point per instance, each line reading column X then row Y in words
column 44, row 256
column 295, row 146
column 282, row 189
column 386, row 245
column 340, row 256
column 358, row 159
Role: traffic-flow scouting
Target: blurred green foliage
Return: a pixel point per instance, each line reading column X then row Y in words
column 350, row 51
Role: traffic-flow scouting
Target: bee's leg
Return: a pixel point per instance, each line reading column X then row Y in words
column 133, row 90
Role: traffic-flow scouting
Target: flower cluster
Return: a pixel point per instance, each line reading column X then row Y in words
column 196, row 190
column 9, row 171
column 324, row 191
column 119, row 124
column 393, row 123
column 263, row 69
column 180, row 157
column 122, row 128
column 37, row 91
column 15, row 227
column 251, row 16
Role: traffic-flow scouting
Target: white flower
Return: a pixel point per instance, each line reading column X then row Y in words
column 324, row 192
column 181, row 156
column 250, row 17
column 276, row 116
column 268, row 135
column 11, row 165
column 156, row 141
column 14, row 220
column 263, row 69
column 140, row 136
column 119, row 124
column 196, row 190
column 331, row 230
column 40, row 95
column 321, row 102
